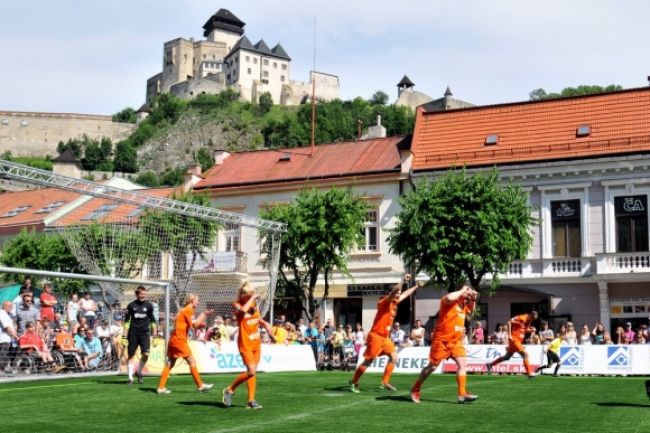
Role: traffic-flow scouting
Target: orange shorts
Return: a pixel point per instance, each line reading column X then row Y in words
column 441, row 350
column 178, row 349
column 250, row 356
column 515, row 346
column 376, row 345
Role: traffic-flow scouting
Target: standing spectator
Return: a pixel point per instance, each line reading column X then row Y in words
column 92, row 347
column 301, row 326
column 598, row 333
column 337, row 342
column 327, row 332
column 72, row 312
column 48, row 301
column 219, row 330
column 546, row 333
column 359, row 338
column 279, row 332
column 478, row 335
column 417, row 334
column 644, row 330
column 397, row 334
column 640, row 339
column 232, row 329
column 27, row 313
column 311, row 338
column 620, row 337
column 7, row 336
column 26, row 287
column 533, row 338
column 500, row 335
column 88, row 309
column 585, row 336
column 571, row 337
column 629, row 333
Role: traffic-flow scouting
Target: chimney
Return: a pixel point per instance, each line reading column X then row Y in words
column 375, row 131
column 191, row 176
column 220, row 156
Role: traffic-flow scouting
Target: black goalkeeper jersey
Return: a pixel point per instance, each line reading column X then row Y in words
column 140, row 315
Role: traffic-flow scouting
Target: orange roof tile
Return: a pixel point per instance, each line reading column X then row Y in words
column 120, row 213
column 37, row 201
column 329, row 160
column 534, row 131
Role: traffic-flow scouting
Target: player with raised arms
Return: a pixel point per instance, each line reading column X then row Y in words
column 378, row 342
column 249, row 343
column 517, row 328
column 179, row 347
column 447, row 341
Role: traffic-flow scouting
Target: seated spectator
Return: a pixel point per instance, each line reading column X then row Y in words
column 406, row 342
column 64, row 342
column 115, row 332
column 218, row 332
column 500, row 335
column 533, row 338
column 102, row 331
column 46, row 331
column 80, row 335
column 300, row 326
column 292, row 333
column 92, row 349
column 489, row 339
column 644, row 330
column 417, row 334
column 264, row 336
column 200, row 332
column 477, row 333
column 571, row 337
column 585, row 336
column 31, row 341
column 607, row 339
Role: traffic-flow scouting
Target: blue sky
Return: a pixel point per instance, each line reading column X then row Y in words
column 95, row 56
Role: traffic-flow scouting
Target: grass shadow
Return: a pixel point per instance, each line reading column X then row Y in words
column 342, row 388
column 152, row 390
column 621, row 404
column 112, row 382
column 407, row 399
column 202, row 403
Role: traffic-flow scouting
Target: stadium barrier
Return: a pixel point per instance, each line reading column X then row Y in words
column 213, row 358
column 600, row 360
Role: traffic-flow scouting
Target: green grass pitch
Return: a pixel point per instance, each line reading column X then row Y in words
column 321, row 402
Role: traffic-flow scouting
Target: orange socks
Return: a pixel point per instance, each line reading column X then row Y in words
column 163, row 377
column 243, row 377
column 387, row 372
column 417, row 385
column 358, row 373
column 252, row 383
column 195, row 375
column 527, row 365
column 461, row 381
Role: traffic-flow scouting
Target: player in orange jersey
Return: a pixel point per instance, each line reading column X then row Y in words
column 517, row 328
column 249, row 343
column 378, row 342
column 179, row 347
column 447, row 341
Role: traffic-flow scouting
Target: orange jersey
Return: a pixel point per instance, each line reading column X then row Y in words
column 451, row 321
column 64, row 341
column 249, row 328
column 518, row 326
column 386, row 311
column 183, row 325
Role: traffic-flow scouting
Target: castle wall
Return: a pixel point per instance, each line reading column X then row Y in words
column 178, row 59
column 327, row 89
column 211, row 84
column 37, row 134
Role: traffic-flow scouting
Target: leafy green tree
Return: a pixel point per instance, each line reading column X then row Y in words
column 379, row 98
column 462, row 227
column 323, row 227
column 74, row 144
column 147, row 178
column 166, row 108
column 204, row 158
column 265, row 103
column 127, row 115
column 126, row 157
column 173, row 176
column 33, row 250
column 540, row 94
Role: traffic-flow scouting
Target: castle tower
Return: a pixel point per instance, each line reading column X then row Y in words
column 404, row 84
column 224, row 27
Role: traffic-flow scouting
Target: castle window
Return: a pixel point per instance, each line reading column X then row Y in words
column 284, row 66
column 249, row 71
column 265, row 73
column 266, row 62
column 282, row 78
column 248, row 59
column 255, row 60
column 275, row 65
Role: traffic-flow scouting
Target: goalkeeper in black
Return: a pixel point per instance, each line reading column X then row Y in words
column 140, row 320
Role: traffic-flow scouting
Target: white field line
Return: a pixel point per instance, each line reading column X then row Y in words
column 48, row 386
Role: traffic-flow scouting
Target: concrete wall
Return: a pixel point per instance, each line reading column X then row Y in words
column 37, row 134
column 296, row 92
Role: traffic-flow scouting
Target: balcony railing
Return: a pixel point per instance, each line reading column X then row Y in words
column 623, row 263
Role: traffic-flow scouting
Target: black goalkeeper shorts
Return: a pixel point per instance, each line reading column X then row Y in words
column 141, row 339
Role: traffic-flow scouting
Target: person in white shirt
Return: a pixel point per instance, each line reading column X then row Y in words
column 397, row 334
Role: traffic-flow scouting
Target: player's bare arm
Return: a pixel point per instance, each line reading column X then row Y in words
column 201, row 318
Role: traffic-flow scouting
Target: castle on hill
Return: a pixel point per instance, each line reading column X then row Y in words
column 228, row 59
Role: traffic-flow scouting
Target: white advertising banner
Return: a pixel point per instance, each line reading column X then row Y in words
column 605, row 360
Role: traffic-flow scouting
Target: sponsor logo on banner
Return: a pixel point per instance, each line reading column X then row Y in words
column 571, row 356
column 619, row 357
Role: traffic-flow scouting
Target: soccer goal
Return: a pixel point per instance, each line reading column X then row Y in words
column 175, row 241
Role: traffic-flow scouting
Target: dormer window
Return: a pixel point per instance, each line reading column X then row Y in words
column 286, row 157
column 583, row 131
column 50, row 207
column 14, row 212
column 491, row 139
